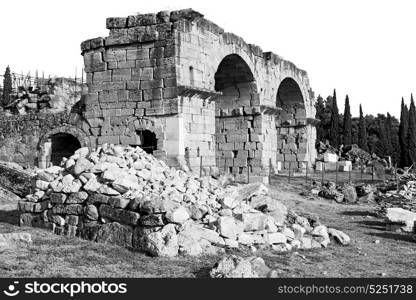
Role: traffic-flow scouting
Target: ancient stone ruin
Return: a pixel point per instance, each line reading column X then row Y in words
column 184, row 90
column 177, row 84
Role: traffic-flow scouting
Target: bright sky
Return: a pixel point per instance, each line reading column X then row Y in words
column 366, row 49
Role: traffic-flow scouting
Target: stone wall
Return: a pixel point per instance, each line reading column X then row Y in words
column 21, row 136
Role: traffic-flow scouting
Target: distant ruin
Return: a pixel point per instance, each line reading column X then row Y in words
column 184, row 90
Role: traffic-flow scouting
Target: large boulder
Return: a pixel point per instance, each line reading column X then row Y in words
column 178, row 215
column 14, row 239
column 258, row 221
column 115, row 233
column 339, row 236
column 162, row 242
column 350, row 193
column 401, row 216
column 266, row 203
column 233, row 266
column 228, row 227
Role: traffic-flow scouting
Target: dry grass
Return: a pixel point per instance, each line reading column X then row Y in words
column 54, row 256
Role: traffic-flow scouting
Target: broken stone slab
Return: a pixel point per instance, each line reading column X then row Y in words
column 233, row 267
column 228, row 228
column 163, row 242
column 119, row 215
column 14, row 239
column 82, row 165
column 75, row 198
column 339, row 236
column 91, row 212
column 350, row 193
column 6, row 195
column 178, row 215
column 257, row 222
column 115, row 233
column 401, row 216
column 266, row 204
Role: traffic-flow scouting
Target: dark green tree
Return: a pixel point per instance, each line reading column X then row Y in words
column 362, row 132
column 411, row 132
column 347, row 128
column 320, row 115
column 7, row 87
column 403, row 128
column 334, row 123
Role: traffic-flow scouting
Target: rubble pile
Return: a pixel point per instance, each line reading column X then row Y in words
column 341, row 193
column 358, row 155
column 234, row 266
column 402, row 195
column 52, row 95
column 123, row 195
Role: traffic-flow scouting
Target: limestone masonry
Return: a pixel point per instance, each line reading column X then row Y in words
column 197, row 97
column 206, row 95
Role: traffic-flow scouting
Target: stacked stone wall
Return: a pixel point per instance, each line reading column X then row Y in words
column 21, row 135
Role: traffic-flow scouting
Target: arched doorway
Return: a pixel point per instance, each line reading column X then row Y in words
column 292, row 138
column 234, row 122
column 62, row 145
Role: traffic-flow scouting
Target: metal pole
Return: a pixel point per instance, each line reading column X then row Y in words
column 322, row 173
column 290, row 167
column 248, row 170
column 336, row 173
column 200, row 166
column 372, row 173
column 270, row 170
column 310, row 179
column 349, row 174
column 397, row 179
column 306, row 175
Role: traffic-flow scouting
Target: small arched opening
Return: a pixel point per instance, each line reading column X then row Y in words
column 62, row 145
column 146, row 140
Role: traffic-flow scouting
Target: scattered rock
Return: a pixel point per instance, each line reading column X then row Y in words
column 339, row 236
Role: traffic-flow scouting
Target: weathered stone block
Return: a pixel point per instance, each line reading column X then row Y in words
column 112, row 23
column 115, row 233
column 119, row 215
column 76, row 198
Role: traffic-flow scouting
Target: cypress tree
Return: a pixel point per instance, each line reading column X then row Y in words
column 347, row 123
column 7, row 87
column 411, row 133
column 334, row 123
column 403, row 128
column 388, row 128
column 362, row 132
column 320, row 115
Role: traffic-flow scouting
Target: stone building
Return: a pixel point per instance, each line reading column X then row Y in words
column 183, row 89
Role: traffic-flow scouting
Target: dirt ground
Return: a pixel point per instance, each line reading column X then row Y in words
column 373, row 251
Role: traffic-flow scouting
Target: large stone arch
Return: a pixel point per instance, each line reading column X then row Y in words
column 290, row 75
column 72, row 130
column 236, row 51
column 294, row 147
column 235, row 122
